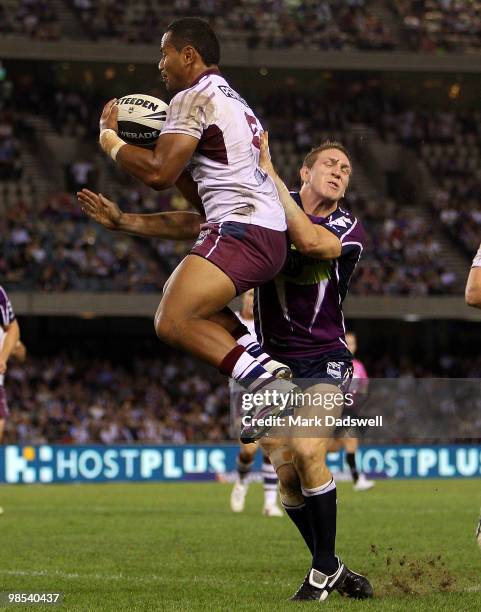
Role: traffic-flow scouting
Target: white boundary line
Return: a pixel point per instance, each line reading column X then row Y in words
column 155, row 578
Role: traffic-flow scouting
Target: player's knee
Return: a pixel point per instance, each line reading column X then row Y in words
column 290, row 497
column 309, row 454
column 289, row 486
column 166, row 327
column 247, row 452
column 288, row 478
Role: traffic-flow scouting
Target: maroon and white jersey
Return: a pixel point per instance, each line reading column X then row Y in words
column 7, row 316
column 225, row 165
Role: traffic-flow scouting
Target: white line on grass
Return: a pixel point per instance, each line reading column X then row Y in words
column 149, row 579
column 118, row 577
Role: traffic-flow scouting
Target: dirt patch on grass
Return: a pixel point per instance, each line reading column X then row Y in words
column 412, row 576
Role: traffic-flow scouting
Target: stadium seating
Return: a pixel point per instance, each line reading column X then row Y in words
column 272, row 23
column 74, row 400
column 33, row 18
column 419, row 25
column 79, row 401
column 402, row 251
column 441, row 25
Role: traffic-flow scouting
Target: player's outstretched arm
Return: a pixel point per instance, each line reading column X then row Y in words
column 169, row 225
column 19, row 352
column 473, row 286
column 12, row 336
column 309, row 239
column 160, row 168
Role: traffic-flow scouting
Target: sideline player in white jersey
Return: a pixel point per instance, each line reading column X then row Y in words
column 473, row 298
column 359, row 384
column 473, row 285
column 247, row 452
column 211, row 129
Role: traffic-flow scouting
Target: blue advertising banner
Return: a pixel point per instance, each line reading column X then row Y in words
column 49, row 464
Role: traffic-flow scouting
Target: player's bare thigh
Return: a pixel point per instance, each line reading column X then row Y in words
column 309, row 447
column 196, row 290
column 2, row 429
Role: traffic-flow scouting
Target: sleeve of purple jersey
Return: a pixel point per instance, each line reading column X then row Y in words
column 353, row 238
column 350, row 232
column 6, row 310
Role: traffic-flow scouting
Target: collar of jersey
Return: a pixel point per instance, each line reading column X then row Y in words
column 296, row 196
column 206, row 73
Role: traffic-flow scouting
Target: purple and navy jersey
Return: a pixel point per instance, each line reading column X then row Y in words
column 6, row 311
column 299, row 313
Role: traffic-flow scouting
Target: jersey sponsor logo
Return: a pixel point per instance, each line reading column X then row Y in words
column 341, row 222
column 230, row 93
column 301, row 269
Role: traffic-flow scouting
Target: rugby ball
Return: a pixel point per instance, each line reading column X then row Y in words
column 140, row 119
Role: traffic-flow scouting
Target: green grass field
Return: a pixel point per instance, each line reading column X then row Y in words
column 178, row 547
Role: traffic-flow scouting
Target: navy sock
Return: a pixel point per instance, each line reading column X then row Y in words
column 351, row 462
column 321, row 504
column 300, row 517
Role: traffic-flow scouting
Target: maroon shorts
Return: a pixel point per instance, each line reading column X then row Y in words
column 3, row 403
column 250, row 255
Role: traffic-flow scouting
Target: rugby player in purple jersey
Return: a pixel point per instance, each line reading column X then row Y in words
column 299, row 319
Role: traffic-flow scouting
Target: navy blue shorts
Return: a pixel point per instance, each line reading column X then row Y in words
column 333, row 368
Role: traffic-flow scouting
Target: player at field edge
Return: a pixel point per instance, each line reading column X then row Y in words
column 306, row 329
column 243, row 242
column 247, row 452
column 473, row 298
column 473, row 284
column 10, row 346
column 351, row 444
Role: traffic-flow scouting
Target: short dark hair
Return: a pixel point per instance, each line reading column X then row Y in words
column 311, row 157
column 197, row 33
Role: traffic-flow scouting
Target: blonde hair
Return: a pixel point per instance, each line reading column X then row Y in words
column 311, row 157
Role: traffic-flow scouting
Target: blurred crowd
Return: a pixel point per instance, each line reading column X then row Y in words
column 441, row 25
column 275, row 24
column 33, row 18
column 430, row 26
column 62, row 399
column 401, row 256
column 79, row 401
column 55, row 248
column 11, row 167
